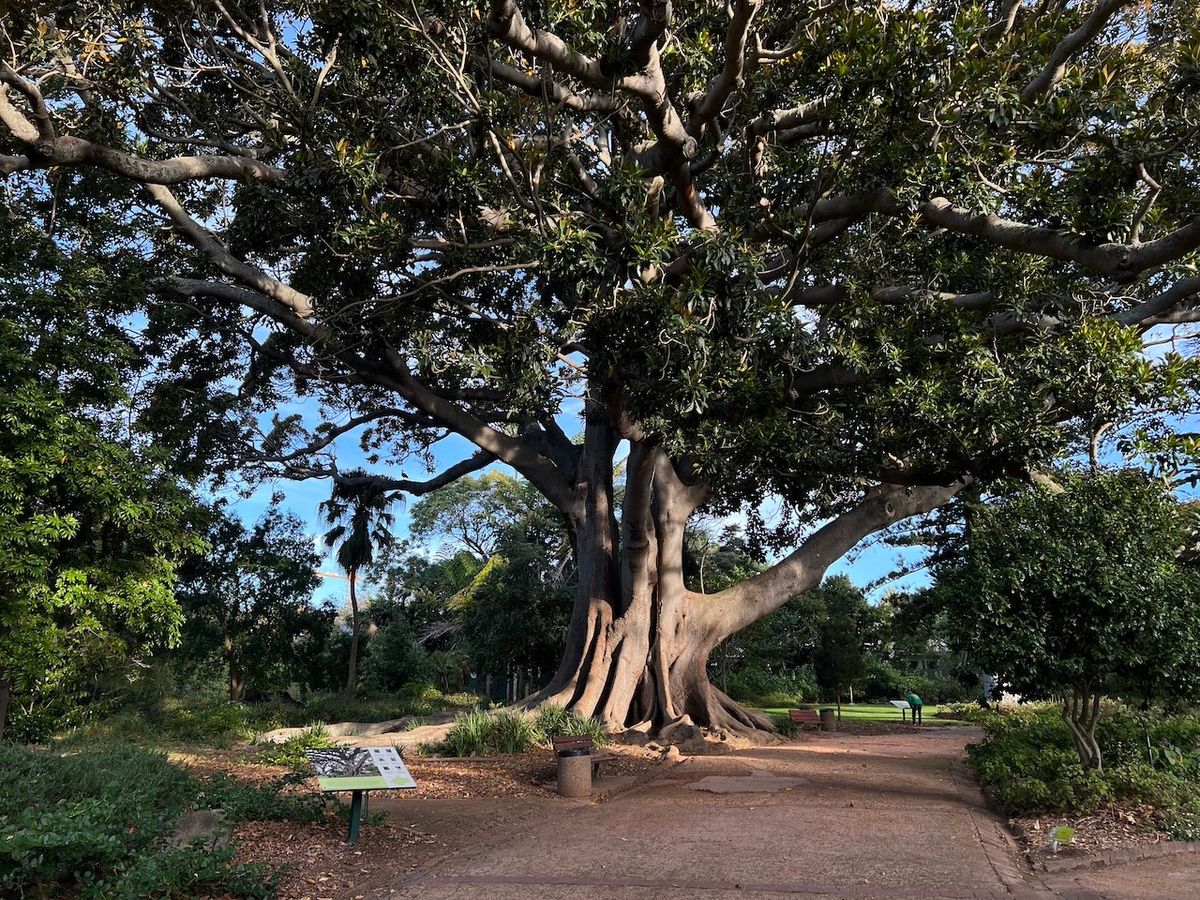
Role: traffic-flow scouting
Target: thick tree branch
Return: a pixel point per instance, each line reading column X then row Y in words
column 1158, row 308
column 1070, row 45
column 518, row 453
column 730, row 77
column 747, row 602
column 552, row 91
column 675, row 148
column 471, row 464
column 231, row 293
column 301, row 304
column 1003, row 24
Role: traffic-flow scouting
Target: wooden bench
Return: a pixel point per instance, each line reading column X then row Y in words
column 804, row 717
column 582, row 742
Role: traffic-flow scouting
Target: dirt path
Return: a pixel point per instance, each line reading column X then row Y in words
column 833, row 816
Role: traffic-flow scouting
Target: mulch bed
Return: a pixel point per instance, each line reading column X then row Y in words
column 1111, row 829
column 314, row 861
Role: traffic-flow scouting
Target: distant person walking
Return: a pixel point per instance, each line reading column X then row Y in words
column 915, row 702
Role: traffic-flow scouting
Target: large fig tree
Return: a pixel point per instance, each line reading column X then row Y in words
column 848, row 256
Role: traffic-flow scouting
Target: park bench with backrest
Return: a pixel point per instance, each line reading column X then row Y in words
column 582, row 742
column 804, row 717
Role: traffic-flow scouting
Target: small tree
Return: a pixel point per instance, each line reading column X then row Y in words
column 839, row 660
column 248, row 600
column 1078, row 594
column 358, row 510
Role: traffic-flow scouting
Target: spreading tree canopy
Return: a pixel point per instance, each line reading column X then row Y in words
column 853, row 256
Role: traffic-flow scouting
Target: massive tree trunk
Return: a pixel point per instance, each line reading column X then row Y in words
column 639, row 641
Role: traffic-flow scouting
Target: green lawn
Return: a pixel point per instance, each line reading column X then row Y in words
column 873, row 712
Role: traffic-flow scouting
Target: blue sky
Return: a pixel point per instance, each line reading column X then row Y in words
column 303, row 498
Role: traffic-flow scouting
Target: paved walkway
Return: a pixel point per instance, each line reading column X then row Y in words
column 834, row 816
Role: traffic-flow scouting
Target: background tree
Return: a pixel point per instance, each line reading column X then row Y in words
column 845, row 631
column 1078, row 594
column 852, row 258
column 248, row 598
column 359, row 511
column 90, row 535
column 511, row 615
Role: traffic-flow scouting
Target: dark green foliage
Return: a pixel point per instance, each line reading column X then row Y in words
column 1028, row 762
column 759, row 687
column 884, row 681
column 505, row 597
column 90, row 536
column 248, row 601
column 1080, row 591
column 394, row 655
column 96, row 823
column 845, row 631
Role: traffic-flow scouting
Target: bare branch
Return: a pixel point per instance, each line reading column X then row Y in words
column 552, row 91
column 471, row 464
column 1070, row 45
column 730, row 78
column 1157, row 309
column 301, row 304
column 750, row 600
column 1003, row 24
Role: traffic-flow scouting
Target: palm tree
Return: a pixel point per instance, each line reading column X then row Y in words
column 358, row 510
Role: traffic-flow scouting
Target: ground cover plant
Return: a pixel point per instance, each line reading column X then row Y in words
column 96, row 824
column 1027, row 762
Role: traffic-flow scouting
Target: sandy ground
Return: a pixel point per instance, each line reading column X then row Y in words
column 843, row 815
column 1170, row 878
column 834, row 815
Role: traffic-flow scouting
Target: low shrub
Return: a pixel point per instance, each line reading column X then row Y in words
column 95, row 825
column 480, row 732
column 966, row 712
column 555, row 721
column 884, row 681
column 470, row 735
column 290, row 753
column 205, row 720
column 511, row 733
column 758, row 687
column 1029, row 764
column 246, row 802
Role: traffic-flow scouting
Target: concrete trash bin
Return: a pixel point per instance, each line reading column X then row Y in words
column 828, row 722
column 575, row 772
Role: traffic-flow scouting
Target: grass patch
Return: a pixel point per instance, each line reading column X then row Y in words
column 478, row 732
column 871, row 713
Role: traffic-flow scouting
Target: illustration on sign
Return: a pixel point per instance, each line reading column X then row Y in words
column 360, row 769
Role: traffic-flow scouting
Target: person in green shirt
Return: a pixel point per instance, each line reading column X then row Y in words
column 915, row 702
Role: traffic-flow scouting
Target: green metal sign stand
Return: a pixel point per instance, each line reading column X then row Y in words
column 357, row 810
column 360, row 770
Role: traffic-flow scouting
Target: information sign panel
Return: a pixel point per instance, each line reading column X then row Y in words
column 360, row 769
